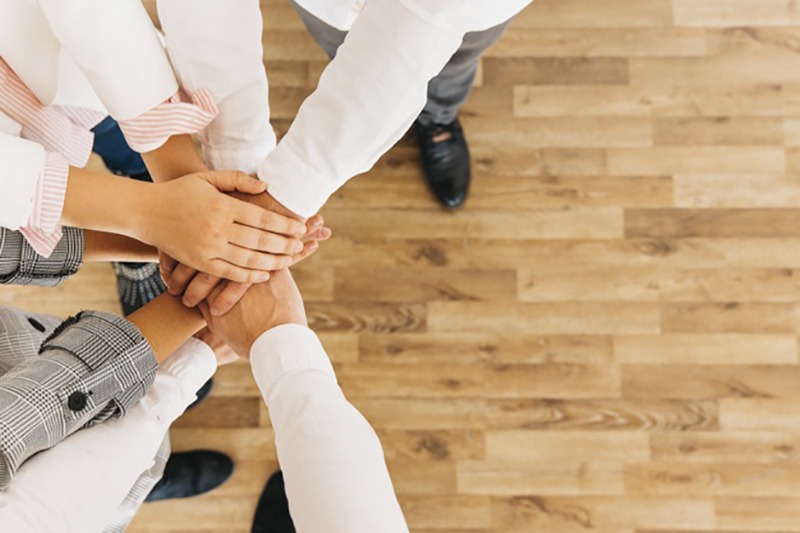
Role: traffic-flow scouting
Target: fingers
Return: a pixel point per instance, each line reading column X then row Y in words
column 205, row 311
column 180, row 278
column 253, row 239
column 226, row 270
column 224, row 300
column 256, row 217
column 321, row 234
column 254, row 260
column 166, row 265
column 308, row 249
column 199, row 289
column 233, row 181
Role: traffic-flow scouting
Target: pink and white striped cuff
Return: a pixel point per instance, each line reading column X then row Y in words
column 182, row 114
column 43, row 230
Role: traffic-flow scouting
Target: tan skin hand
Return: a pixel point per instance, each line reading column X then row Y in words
column 263, row 307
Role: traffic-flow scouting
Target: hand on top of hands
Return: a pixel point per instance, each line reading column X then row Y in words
column 263, row 307
column 222, row 295
column 194, row 222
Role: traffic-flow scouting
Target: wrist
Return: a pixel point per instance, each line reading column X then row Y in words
column 144, row 208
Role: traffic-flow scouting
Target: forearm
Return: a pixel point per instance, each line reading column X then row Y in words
column 42, row 496
column 166, row 324
column 175, row 158
column 333, row 464
column 104, row 202
column 101, row 247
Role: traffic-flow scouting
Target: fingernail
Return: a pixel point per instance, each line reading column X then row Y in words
column 215, row 311
column 172, row 291
column 187, row 303
column 300, row 229
column 314, row 245
column 298, row 247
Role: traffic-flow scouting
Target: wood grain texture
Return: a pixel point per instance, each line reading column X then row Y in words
column 605, row 340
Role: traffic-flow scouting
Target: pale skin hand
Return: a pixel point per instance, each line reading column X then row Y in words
column 198, row 287
column 188, row 218
column 177, row 157
column 263, row 307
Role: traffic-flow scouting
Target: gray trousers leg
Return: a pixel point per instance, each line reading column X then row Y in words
column 448, row 91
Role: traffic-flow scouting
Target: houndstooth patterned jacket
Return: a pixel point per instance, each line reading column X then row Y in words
column 58, row 377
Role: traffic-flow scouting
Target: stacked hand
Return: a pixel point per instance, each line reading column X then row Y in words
column 263, row 307
column 223, row 236
column 222, row 295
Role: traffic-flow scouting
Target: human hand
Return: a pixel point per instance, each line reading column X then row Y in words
column 222, row 351
column 263, row 307
column 190, row 220
column 196, row 287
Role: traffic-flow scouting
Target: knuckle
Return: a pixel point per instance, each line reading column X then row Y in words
column 265, row 241
column 253, row 259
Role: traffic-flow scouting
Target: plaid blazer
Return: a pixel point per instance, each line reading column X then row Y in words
column 21, row 265
column 58, row 377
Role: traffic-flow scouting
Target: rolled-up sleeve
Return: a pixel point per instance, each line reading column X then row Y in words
column 94, row 366
column 20, row 264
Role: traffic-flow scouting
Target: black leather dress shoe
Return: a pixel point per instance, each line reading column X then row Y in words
column 272, row 513
column 191, row 474
column 202, row 393
column 445, row 160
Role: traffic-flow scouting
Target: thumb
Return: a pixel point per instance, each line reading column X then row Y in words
column 234, row 181
column 205, row 311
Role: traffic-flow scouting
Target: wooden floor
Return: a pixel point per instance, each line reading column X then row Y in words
column 605, row 340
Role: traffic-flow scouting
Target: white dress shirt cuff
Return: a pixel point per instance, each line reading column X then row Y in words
column 246, row 157
column 295, row 184
column 286, row 350
column 191, row 365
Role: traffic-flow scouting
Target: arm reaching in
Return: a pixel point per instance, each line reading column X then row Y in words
column 332, row 461
column 189, row 219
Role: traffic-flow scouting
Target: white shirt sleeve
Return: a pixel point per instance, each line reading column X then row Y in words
column 117, row 48
column 332, row 461
column 216, row 46
column 370, row 94
column 21, row 165
column 78, row 485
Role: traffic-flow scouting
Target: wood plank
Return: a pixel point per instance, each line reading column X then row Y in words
column 718, row 479
column 725, row 131
column 555, row 478
column 470, row 348
column 748, row 413
column 756, row 447
column 719, row 191
column 562, row 223
column 581, row 513
column 729, row 317
column 658, row 101
column 735, row 13
column 555, row 71
column 661, row 160
column 558, row 318
column 428, row 285
column 603, row 415
column 706, row 348
column 712, row 222
column 696, row 381
column 652, row 283
column 762, row 514
column 602, row 43
column 535, row 448
column 597, row 14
